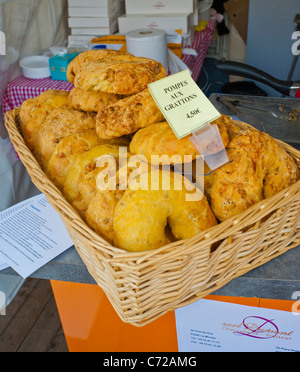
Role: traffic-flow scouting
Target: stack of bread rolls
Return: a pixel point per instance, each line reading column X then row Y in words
column 109, row 108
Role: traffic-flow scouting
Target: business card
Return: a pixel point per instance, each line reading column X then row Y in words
column 214, row 326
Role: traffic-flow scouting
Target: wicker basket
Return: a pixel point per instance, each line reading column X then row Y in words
column 144, row 286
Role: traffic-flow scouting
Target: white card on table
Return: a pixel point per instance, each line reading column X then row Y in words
column 213, row 326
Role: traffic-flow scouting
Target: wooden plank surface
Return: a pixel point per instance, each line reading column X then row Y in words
column 32, row 322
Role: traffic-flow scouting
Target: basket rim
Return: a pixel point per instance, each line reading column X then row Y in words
column 75, row 222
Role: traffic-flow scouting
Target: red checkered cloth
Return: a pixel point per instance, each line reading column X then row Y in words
column 23, row 88
column 201, row 44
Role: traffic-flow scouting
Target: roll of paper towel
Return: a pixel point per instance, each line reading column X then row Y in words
column 148, row 43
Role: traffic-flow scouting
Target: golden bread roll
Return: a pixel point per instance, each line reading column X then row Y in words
column 87, row 187
column 203, row 180
column 208, row 182
column 161, row 73
column 100, row 212
column 70, row 147
column 124, row 58
column 142, row 215
column 81, row 181
column 128, row 115
column 118, row 77
column 90, row 181
column 91, row 101
column 160, row 139
column 58, row 125
column 34, row 111
column 233, row 128
column 259, row 169
column 89, row 56
column 66, row 153
column 282, row 170
column 91, row 185
column 25, row 113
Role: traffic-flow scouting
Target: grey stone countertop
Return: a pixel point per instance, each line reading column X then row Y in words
column 278, row 279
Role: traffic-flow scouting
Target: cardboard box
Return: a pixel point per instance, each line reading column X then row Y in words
column 116, row 42
column 58, row 66
column 159, row 7
column 238, row 12
column 167, row 22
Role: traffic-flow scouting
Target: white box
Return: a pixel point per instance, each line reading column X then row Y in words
column 98, row 31
column 167, row 22
column 94, row 3
column 159, row 7
column 93, row 12
column 92, row 21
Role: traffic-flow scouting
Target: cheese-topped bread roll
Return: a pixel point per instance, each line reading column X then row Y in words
column 60, row 124
column 159, row 139
column 260, row 168
column 90, row 101
column 89, row 56
column 128, row 115
column 66, row 153
column 119, row 77
column 34, row 111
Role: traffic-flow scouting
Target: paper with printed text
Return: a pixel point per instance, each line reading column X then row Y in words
column 31, row 235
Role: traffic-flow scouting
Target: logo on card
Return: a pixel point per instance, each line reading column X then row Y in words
column 259, row 328
column 159, row 5
column 152, row 25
